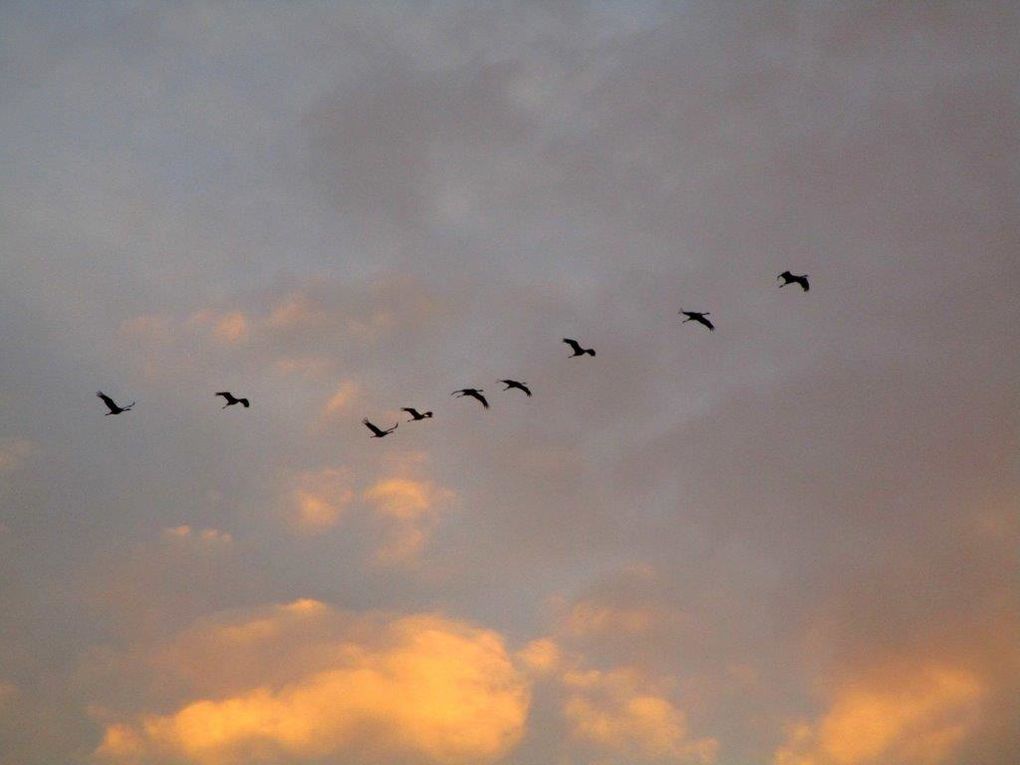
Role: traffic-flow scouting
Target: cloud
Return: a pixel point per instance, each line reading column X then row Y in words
column 340, row 402
column 319, row 498
column 542, row 656
column 307, row 327
column 205, row 536
column 417, row 688
column 913, row 716
column 8, row 691
column 620, row 713
column 591, row 618
column 411, row 510
column 14, row 452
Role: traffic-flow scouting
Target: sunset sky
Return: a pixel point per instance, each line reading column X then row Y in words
column 794, row 540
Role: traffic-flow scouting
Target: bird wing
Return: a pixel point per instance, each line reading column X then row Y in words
column 225, row 394
column 108, row 401
column 244, row 402
column 409, row 410
column 373, row 428
column 804, row 283
column 573, row 344
column 706, row 322
column 481, row 398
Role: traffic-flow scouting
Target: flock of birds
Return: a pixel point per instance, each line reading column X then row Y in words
column 476, row 393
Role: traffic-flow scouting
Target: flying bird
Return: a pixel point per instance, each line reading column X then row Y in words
column 112, row 405
column 789, row 278
column 578, row 350
column 698, row 317
column 376, row 432
column 415, row 414
column 229, row 398
column 519, row 385
column 475, row 393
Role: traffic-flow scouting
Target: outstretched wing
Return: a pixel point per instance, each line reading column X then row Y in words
column 225, row 394
column 410, row 411
column 108, row 401
column 481, row 398
column 573, row 344
column 706, row 322
column 804, row 282
column 373, row 428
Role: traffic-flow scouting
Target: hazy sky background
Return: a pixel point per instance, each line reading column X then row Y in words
column 795, row 540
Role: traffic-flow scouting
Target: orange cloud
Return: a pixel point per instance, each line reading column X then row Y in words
column 420, row 687
column 206, row 536
column 341, row 400
column 295, row 310
column 14, row 452
column 617, row 712
column 7, row 691
column 232, row 328
column 412, row 508
column 319, row 499
column 542, row 656
column 914, row 717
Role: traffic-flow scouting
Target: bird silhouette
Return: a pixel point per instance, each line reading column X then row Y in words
column 376, row 432
column 789, row 278
column 519, row 385
column 415, row 414
column 475, row 393
column 112, row 406
column 698, row 317
column 578, row 350
column 231, row 400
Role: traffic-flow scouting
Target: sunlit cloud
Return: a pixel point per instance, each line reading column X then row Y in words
column 411, row 510
column 340, row 402
column 229, row 328
column 621, row 714
column 319, row 498
column 7, row 692
column 374, row 690
column 15, row 452
column 203, row 536
column 914, row 717
column 541, row 656
column 295, row 309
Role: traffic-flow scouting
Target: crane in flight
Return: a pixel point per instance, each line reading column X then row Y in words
column 415, row 414
column 112, row 405
column 518, row 385
column 231, row 400
column 578, row 350
column 377, row 432
column 698, row 317
column 789, row 278
column 475, row 393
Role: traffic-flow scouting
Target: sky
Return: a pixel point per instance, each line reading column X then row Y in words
column 794, row 540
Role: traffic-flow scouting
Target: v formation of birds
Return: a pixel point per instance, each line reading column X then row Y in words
column 699, row 317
